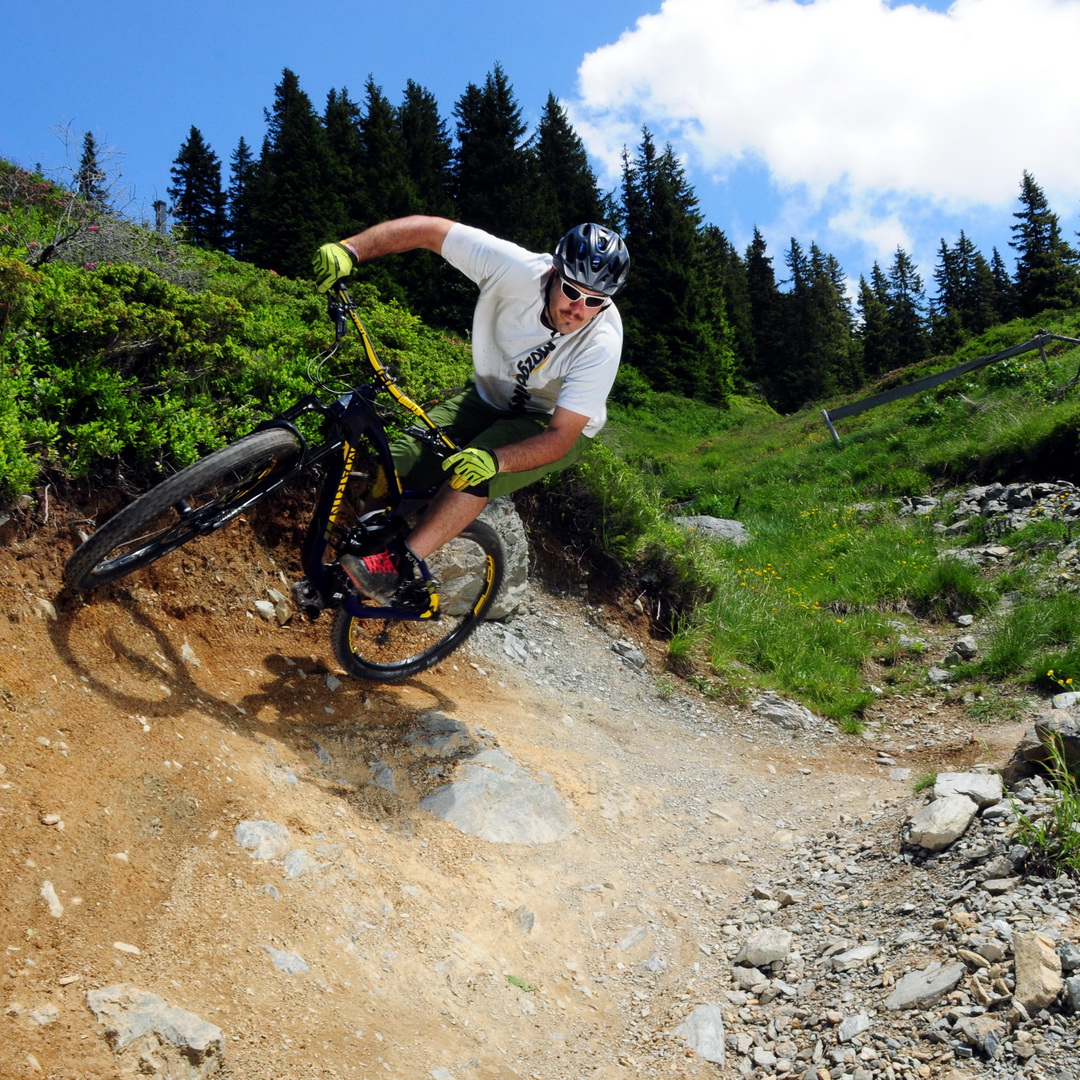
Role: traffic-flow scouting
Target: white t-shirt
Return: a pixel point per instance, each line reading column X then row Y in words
column 520, row 364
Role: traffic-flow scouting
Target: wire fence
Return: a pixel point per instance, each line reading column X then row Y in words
column 853, row 408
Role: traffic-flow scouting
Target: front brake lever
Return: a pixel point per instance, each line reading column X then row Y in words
column 336, row 309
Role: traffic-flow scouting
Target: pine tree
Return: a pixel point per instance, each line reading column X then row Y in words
column 768, row 363
column 968, row 300
column 492, row 167
column 947, row 328
column 242, row 171
column 980, row 305
column 437, row 293
column 566, row 192
column 834, row 331
column 1004, row 287
column 198, row 200
column 90, row 179
column 875, row 329
column 1046, row 273
column 907, row 310
column 726, row 267
column 427, row 150
column 294, row 204
column 816, row 331
column 341, row 119
column 666, row 307
column 388, row 191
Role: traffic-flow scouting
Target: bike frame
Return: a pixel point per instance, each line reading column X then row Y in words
column 348, row 421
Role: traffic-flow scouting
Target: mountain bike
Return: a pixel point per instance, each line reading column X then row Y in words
column 425, row 620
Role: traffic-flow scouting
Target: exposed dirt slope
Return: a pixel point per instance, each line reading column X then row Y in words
column 139, row 727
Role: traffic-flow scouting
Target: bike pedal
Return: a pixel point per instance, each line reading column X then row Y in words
column 416, row 597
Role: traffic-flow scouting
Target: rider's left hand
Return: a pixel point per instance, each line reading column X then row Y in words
column 471, row 466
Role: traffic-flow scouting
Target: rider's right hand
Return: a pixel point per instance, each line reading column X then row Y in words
column 331, row 263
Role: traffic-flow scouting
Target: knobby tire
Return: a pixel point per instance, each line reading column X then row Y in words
column 194, row 502
column 468, row 572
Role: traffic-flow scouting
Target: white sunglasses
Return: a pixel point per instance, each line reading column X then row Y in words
column 573, row 294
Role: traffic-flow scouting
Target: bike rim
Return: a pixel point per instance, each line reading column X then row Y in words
column 465, row 574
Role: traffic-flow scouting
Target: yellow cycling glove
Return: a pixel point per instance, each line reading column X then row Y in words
column 331, row 263
column 471, row 466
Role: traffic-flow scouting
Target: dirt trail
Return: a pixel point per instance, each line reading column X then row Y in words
column 139, row 728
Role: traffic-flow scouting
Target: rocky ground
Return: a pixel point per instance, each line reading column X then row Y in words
column 734, row 893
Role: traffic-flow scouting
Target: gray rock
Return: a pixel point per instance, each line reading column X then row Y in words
column 785, row 714
column 703, row 1032
column 716, row 528
column 264, row 839
column 151, row 1036
column 494, row 798
column 942, row 822
column 854, row 958
column 437, row 735
column 765, row 946
column 501, row 515
column 298, row 863
column 966, row 647
column 637, row 935
column 984, row 789
column 922, row 989
column 984, row 1033
column 1031, row 755
column 1069, row 952
column 852, row 1026
column 1072, row 993
column 748, row 978
column 382, row 776
column 288, row 962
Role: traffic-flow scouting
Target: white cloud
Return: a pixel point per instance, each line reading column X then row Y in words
column 848, row 102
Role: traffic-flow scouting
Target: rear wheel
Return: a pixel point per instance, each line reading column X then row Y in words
column 468, row 571
column 194, row 502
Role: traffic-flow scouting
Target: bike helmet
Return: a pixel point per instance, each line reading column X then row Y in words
column 593, row 257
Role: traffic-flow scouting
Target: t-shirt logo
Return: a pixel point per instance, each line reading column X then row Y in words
column 519, row 400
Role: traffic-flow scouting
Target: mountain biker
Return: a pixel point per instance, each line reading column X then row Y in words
column 546, row 344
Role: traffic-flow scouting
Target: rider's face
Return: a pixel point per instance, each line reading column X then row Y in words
column 567, row 315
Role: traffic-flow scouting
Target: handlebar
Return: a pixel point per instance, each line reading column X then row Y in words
column 342, row 310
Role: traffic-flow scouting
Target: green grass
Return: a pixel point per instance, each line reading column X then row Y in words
column 1054, row 839
column 806, row 606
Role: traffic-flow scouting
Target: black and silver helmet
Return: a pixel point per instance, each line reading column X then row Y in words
column 593, row 257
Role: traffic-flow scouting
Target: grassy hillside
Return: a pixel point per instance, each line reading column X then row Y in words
column 809, row 605
column 125, row 355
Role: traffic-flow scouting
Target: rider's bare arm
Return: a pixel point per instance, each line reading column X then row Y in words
column 550, row 445
column 400, row 234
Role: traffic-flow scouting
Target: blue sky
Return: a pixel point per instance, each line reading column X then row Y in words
column 858, row 125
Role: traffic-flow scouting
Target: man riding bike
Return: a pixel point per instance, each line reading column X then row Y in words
column 546, row 344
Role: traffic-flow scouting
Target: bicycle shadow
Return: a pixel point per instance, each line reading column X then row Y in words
column 131, row 659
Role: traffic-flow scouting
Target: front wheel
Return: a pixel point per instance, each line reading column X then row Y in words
column 194, row 502
column 468, row 571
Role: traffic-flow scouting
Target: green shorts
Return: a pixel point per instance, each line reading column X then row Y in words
column 470, row 421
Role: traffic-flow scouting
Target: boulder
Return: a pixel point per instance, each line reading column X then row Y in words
column 940, row 823
column 1031, row 754
column 703, row 1032
column 922, row 989
column 984, row 789
column 1038, row 971
column 501, row 515
column 715, row 528
column 496, row 799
